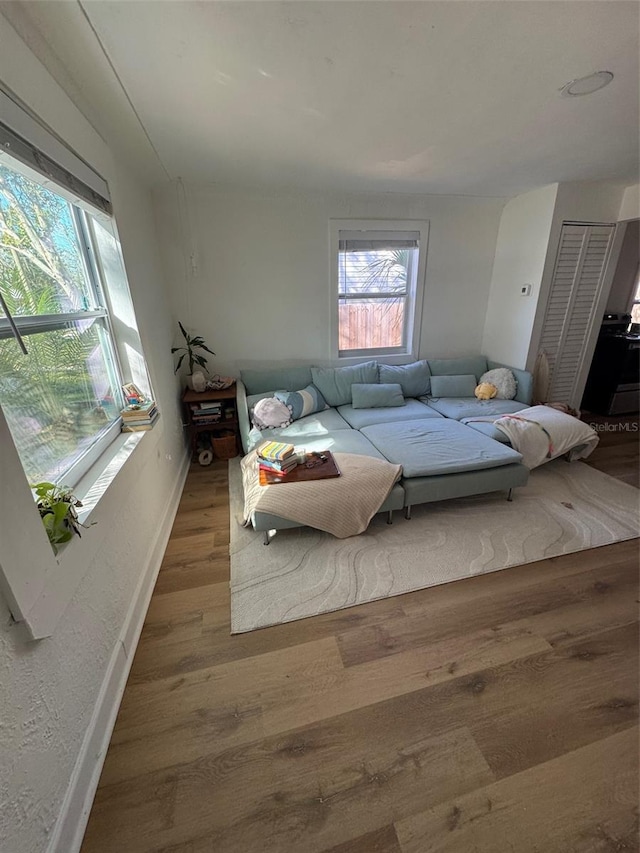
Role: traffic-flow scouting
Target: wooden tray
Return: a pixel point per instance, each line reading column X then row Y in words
column 301, row 474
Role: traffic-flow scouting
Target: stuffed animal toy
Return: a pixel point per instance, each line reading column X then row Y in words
column 486, row 391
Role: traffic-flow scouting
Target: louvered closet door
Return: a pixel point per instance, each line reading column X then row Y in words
column 577, row 281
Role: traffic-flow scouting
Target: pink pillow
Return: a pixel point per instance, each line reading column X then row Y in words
column 271, row 413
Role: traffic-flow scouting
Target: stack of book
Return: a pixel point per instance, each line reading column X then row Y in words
column 139, row 417
column 206, row 412
column 277, row 457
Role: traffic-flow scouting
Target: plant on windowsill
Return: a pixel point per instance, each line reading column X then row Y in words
column 57, row 507
column 192, row 343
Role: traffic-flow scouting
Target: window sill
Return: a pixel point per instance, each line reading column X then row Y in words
column 390, row 358
column 101, row 475
column 101, row 498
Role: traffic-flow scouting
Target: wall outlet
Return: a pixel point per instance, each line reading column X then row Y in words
column 525, row 290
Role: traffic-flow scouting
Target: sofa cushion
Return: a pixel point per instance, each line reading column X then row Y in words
column 337, row 441
column 376, row 396
column 453, row 386
column 304, row 402
column 334, row 383
column 475, row 364
column 411, row 411
column 433, row 446
column 414, row 377
column 318, row 424
column 459, row 408
column 276, row 378
column 524, row 380
column 487, row 429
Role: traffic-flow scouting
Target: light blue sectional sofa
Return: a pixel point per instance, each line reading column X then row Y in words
column 444, row 450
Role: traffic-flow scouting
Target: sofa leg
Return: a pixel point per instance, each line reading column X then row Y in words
column 510, row 495
column 407, row 513
column 390, row 517
column 265, row 538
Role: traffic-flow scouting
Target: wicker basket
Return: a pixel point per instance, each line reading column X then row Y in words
column 224, row 445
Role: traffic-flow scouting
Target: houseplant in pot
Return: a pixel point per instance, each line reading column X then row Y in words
column 195, row 378
column 57, row 507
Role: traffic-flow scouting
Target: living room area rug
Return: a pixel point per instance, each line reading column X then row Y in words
column 565, row 507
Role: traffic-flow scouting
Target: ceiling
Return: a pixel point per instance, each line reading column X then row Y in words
column 395, row 96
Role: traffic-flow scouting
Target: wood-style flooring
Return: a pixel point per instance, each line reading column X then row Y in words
column 489, row 715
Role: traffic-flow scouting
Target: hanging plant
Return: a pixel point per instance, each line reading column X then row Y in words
column 191, row 345
column 57, row 507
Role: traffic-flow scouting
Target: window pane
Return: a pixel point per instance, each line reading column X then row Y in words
column 376, row 271
column 370, row 323
column 59, row 398
column 635, row 312
column 41, row 267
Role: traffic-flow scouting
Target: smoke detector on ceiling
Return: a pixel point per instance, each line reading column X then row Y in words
column 586, row 85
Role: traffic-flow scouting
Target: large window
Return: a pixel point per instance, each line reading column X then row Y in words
column 379, row 277
column 61, row 397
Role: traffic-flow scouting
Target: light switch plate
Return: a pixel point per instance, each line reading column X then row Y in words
column 525, row 290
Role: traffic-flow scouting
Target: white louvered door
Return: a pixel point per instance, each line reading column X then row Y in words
column 577, row 282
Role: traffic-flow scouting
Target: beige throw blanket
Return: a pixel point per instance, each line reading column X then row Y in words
column 342, row 506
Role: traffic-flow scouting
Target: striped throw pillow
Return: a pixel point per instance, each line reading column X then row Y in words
column 303, row 403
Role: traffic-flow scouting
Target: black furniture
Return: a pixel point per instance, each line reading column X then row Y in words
column 613, row 384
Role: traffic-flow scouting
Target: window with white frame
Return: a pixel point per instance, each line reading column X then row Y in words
column 378, row 277
column 60, row 372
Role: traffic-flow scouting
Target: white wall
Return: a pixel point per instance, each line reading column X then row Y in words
column 251, row 269
column 521, row 249
column 624, row 279
column 49, row 688
column 630, row 205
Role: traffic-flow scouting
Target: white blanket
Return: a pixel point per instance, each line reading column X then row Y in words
column 342, row 506
column 541, row 433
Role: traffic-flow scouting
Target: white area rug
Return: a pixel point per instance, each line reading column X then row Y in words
column 564, row 508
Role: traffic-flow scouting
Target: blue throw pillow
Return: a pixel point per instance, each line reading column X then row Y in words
column 453, row 386
column 303, row 403
column 335, row 383
column 413, row 378
column 376, row 396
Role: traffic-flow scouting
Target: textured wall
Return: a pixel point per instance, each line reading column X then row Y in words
column 48, row 689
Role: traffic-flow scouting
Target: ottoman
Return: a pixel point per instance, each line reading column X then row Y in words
column 339, row 441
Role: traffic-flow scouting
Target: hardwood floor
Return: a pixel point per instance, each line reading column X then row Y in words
column 493, row 714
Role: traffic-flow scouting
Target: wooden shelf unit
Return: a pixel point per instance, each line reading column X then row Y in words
column 226, row 396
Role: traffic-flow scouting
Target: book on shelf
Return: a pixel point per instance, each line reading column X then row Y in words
column 206, row 421
column 276, row 451
column 215, row 407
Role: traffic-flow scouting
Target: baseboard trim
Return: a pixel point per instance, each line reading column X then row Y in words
column 74, row 814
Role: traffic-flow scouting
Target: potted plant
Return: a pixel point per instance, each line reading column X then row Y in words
column 57, row 506
column 192, row 343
